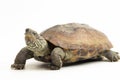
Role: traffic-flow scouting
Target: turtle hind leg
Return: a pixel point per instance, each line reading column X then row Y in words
column 111, row 55
column 56, row 57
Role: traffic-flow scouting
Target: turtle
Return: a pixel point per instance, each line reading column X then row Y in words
column 65, row 44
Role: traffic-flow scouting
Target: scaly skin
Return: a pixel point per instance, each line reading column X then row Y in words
column 36, row 46
column 21, row 58
column 36, row 43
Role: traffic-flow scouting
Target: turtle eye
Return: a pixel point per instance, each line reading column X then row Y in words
column 34, row 33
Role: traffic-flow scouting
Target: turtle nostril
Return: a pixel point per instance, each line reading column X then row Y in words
column 27, row 30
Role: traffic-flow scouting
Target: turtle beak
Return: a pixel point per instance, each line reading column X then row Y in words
column 29, row 37
column 27, row 30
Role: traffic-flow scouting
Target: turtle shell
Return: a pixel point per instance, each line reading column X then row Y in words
column 77, row 36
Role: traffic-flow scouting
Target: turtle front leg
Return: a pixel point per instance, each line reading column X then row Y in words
column 111, row 55
column 56, row 57
column 21, row 58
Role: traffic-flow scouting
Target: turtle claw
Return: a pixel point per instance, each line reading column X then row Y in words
column 111, row 55
column 17, row 66
column 114, row 57
column 53, row 67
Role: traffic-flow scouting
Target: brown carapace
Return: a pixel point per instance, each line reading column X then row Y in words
column 77, row 36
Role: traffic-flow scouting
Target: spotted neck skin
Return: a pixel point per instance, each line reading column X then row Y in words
column 36, row 43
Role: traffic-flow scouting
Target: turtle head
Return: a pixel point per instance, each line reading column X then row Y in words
column 35, row 42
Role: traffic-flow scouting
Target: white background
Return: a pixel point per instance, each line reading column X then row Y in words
column 16, row 15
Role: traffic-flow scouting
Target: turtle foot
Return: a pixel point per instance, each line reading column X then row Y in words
column 17, row 66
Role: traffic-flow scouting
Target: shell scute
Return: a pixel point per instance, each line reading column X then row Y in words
column 77, row 36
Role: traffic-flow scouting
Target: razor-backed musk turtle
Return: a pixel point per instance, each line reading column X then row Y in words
column 64, row 44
